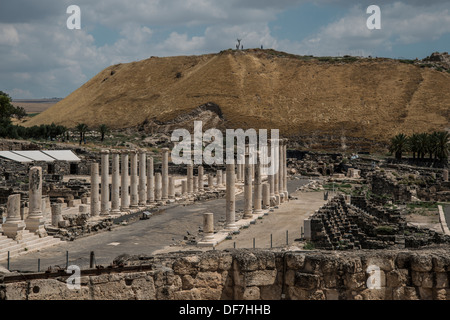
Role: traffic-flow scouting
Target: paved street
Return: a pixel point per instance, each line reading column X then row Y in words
column 147, row 236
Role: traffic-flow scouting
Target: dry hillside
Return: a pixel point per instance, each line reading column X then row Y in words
column 348, row 97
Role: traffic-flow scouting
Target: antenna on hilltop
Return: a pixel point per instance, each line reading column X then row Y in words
column 238, row 44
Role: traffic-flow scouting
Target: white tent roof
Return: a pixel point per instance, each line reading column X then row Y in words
column 37, row 155
column 62, row 155
column 12, row 156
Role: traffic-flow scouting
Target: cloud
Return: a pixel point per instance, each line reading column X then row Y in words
column 38, row 55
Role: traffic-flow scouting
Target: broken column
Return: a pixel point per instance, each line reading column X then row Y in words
column 158, row 186
column 210, row 181
column 445, row 175
column 195, row 184
column 208, row 227
column 266, row 195
column 95, row 210
column 104, row 207
column 200, row 178
column 115, row 183
column 150, row 181
column 56, row 214
column 142, row 177
column 258, row 186
column 247, row 189
column 183, row 187
column 165, row 174
column 35, row 220
column 14, row 225
column 134, row 197
column 190, row 178
column 171, row 188
column 219, row 178
column 230, row 209
column 124, row 195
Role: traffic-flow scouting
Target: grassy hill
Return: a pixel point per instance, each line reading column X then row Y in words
column 300, row 95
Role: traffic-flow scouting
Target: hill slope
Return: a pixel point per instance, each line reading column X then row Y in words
column 362, row 98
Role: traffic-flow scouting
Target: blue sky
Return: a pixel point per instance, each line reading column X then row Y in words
column 40, row 57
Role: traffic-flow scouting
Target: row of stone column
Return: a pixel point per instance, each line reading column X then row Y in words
column 134, row 190
column 265, row 195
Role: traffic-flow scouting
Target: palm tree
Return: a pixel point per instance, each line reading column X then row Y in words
column 413, row 145
column 103, row 129
column 422, row 145
column 82, row 129
column 431, row 144
column 399, row 144
column 442, row 145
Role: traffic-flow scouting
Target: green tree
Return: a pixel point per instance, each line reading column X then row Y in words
column 82, row 128
column 442, row 145
column 413, row 145
column 103, row 129
column 399, row 144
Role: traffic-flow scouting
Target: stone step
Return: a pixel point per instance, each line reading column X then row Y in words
column 6, row 241
column 11, row 247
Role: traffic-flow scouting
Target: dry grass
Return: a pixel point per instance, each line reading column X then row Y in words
column 367, row 98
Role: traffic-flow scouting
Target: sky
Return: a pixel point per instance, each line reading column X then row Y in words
column 41, row 58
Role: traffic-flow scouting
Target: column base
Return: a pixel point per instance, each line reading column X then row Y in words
column 13, row 230
column 36, row 225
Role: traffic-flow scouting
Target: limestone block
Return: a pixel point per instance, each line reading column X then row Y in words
column 306, row 280
column 397, row 278
column 260, row 278
column 186, row 265
column 270, row 292
column 251, row 293
column 295, row 261
column 422, row 279
column 421, row 262
column 441, row 280
column 355, row 280
column 331, row 294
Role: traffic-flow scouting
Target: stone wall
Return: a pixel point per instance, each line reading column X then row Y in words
column 251, row 274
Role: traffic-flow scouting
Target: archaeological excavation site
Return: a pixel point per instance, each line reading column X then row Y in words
column 242, row 175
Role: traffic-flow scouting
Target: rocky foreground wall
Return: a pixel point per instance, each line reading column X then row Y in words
column 252, row 274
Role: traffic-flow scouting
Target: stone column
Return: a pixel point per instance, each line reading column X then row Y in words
column 230, row 209
column 258, row 186
column 219, row 178
column 158, row 186
column 105, row 183
column 281, row 172
column 150, row 181
column 94, row 190
column 208, row 227
column 239, row 171
column 124, row 194
column 14, row 225
column 56, row 214
column 285, row 174
column 266, row 195
column 142, row 177
column 165, row 174
column 134, row 197
column 35, row 221
column 183, row 187
column 195, row 184
column 200, row 178
column 115, row 183
column 270, row 177
column 210, row 181
column 248, row 189
column 276, row 178
column 445, row 175
column 190, row 178
column 171, row 188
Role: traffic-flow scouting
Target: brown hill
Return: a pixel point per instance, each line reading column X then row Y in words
column 302, row 96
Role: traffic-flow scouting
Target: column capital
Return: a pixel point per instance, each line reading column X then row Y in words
column 104, row 151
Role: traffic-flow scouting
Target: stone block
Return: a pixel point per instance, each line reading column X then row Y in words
column 422, row 279
column 421, row 262
column 306, row 280
column 295, row 261
column 397, row 278
column 260, row 278
column 441, row 280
